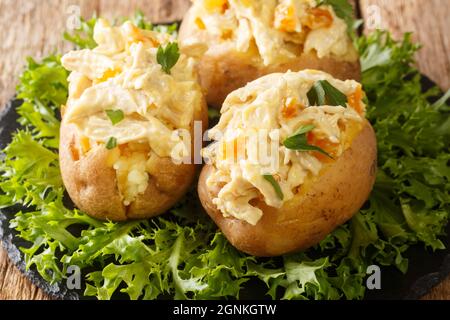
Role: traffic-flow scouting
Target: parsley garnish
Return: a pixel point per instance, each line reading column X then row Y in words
column 168, row 57
column 323, row 93
column 111, row 144
column 115, row 116
column 299, row 141
column 275, row 185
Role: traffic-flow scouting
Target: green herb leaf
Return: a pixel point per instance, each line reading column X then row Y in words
column 168, row 57
column 115, row 116
column 275, row 185
column 316, row 95
column 323, row 93
column 111, row 143
column 299, row 141
column 343, row 10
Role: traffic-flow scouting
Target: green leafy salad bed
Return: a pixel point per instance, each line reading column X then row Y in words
column 182, row 254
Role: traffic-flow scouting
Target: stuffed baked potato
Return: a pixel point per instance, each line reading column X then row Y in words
column 125, row 147
column 238, row 41
column 293, row 157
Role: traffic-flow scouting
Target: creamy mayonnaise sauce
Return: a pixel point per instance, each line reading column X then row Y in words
column 122, row 73
column 280, row 29
column 256, row 120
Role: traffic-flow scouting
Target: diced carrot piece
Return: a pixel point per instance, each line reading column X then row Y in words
column 318, row 18
column 227, row 34
column 233, row 149
column 225, row 7
column 107, row 75
column 75, row 154
column 85, row 144
column 285, row 18
column 291, row 108
column 136, row 33
column 124, row 150
column 324, row 144
column 216, row 5
column 137, row 36
column 354, row 100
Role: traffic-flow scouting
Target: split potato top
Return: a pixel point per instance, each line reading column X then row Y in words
column 121, row 98
column 275, row 134
column 277, row 31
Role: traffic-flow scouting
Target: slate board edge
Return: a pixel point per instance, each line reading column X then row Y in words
column 57, row 291
column 423, row 285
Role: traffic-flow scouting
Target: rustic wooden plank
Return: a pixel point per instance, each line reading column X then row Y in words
column 440, row 292
column 31, row 26
column 13, row 285
column 429, row 22
column 34, row 28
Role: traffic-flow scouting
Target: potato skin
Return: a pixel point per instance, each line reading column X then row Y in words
column 223, row 69
column 326, row 201
column 92, row 184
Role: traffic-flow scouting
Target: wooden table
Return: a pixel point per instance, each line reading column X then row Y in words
column 34, row 28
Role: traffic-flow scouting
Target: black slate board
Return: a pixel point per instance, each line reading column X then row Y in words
column 426, row 268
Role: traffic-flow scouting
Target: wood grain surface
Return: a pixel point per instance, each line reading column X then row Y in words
column 34, row 28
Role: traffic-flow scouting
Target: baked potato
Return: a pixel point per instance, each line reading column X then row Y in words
column 318, row 172
column 126, row 135
column 238, row 41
